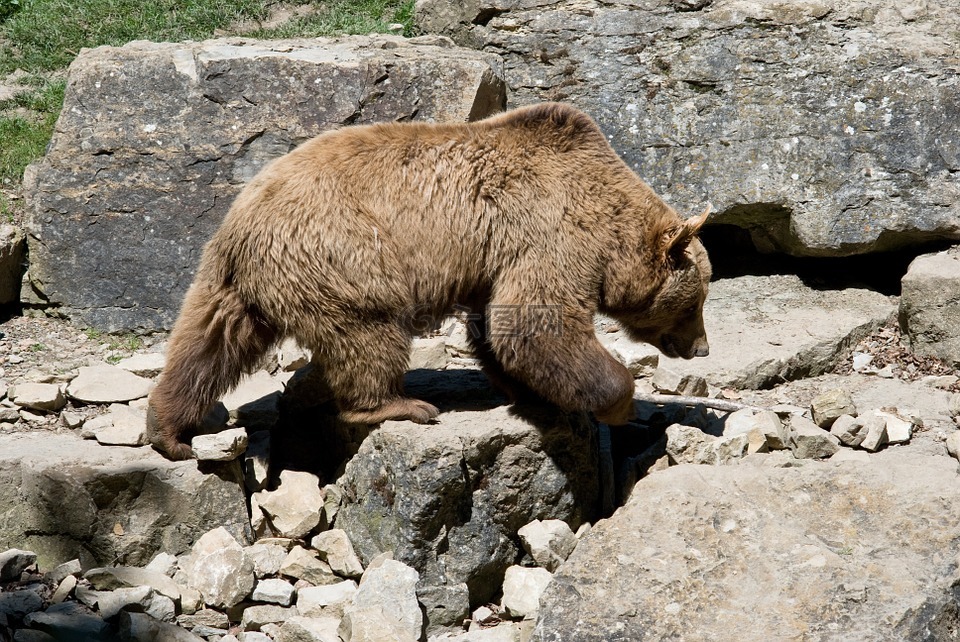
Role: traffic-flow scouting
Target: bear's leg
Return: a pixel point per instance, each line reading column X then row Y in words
column 364, row 366
column 566, row 365
column 214, row 341
column 514, row 389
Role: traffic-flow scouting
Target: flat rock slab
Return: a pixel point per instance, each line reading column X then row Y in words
column 155, row 140
column 108, row 384
column 853, row 551
column 66, row 498
column 767, row 329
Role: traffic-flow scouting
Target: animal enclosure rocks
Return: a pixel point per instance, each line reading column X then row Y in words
column 822, row 128
column 822, row 549
column 767, row 329
column 448, row 499
column 930, row 306
column 155, row 140
column 67, row 498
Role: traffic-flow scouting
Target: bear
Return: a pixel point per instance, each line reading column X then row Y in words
column 529, row 219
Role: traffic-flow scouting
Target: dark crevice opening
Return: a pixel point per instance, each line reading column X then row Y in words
column 733, row 254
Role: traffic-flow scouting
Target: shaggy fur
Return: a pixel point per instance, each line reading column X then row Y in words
column 349, row 241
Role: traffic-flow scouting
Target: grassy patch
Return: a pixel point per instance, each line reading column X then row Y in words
column 26, row 124
column 42, row 37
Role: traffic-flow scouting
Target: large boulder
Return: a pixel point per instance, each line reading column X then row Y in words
column 448, row 499
column 930, row 306
column 155, row 140
column 827, row 551
column 824, row 128
column 66, row 498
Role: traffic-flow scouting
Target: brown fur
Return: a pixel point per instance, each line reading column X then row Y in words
column 338, row 243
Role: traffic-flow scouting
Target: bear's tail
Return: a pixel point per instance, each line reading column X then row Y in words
column 217, row 338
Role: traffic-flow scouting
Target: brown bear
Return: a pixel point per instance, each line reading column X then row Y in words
column 528, row 218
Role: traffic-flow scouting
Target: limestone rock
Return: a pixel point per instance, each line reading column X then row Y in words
column 476, row 476
column 690, row 445
column 294, row 508
column 875, row 427
column 849, row 430
column 829, row 405
column 140, row 626
column 72, row 621
column 763, row 429
column 326, row 601
column 549, row 542
column 739, row 105
column 107, row 384
column 115, row 577
column 58, row 493
column 267, row 558
column 385, row 606
column 144, row 364
column 522, row 588
column 930, row 306
column 225, row 445
column 274, row 591
column 810, row 441
column 428, row 353
column 220, row 570
column 336, row 550
column 899, row 429
column 308, row 629
column 194, row 134
column 122, row 426
column 954, row 409
column 670, row 381
column 953, row 444
column 811, row 533
column 255, row 617
column 38, row 396
column 641, row 359
column 304, row 565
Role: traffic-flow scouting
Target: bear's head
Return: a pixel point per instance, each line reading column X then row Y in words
column 658, row 294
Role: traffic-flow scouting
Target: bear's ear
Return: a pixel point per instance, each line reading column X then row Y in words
column 676, row 239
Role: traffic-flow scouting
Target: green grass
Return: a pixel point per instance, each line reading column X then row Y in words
column 42, row 37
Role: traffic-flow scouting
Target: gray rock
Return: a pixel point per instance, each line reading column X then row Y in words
column 273, row 591
column 810, row 441
column 225, row 445
column 122, row 426
column 954, row 408
column 549, row 542
column 220, row 570
column 302, row 564
column 207, row 116
column 829, row 405
column 144, row 364
column 13, row 562
column 849, row 430
column 294, row 507
column 930, row 306
column 763, row 429
column 385, row 605
column 308, row 629
column 448, row 498
column 267, row 558
column 326, row 601
column 254, row 617
column 38, row 396
column 163, row 563
column 71, row 621
column 668, row 380
column 690, row 445
column 336, row 550
column 66, row 498
column 522, row 588
column 107, row 384
column 685, row 565
column 64, row 589
column 116, row 577
column 140, row 626
column 61, row 571
column 13, row 246
column 764, row 330
column 428, row 353
column 953, row 444
column 18, row 603
column 875, row 427
column 141, row 599
column 821, row 129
